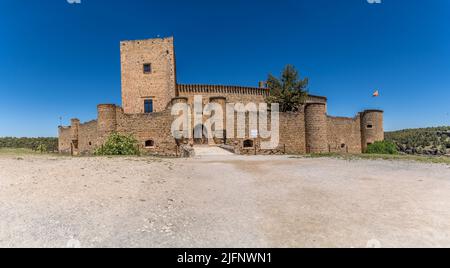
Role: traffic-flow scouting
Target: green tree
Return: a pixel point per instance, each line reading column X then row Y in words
column 289, row 91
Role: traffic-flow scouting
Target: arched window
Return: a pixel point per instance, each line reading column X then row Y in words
column 149, row 143
column 248, row 144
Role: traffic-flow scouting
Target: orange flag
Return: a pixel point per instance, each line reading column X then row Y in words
column 376, row 93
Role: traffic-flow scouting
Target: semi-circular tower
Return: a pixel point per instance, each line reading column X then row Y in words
column 316, row 128
column 371, row 127
column 107, row 121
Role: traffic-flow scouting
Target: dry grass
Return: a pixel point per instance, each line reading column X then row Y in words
column 416, row 158
column 17, row 151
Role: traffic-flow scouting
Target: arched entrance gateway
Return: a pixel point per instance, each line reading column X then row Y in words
column 200, row 135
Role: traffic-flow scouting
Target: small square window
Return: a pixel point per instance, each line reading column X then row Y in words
column 369, row 126
column 149, row 144
column 147, row 68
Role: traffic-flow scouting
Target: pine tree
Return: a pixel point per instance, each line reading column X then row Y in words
column 290, row 91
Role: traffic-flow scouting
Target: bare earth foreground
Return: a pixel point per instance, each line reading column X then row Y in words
column 226, row 201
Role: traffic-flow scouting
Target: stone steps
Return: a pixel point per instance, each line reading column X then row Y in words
column 210, row 151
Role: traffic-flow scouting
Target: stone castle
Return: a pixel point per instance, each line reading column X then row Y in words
column 150, row 88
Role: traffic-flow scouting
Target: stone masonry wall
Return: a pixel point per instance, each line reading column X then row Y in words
column 87, row 137
column 64, row 140
column 344, row 134
column 146, row 127
column 291, row 134
column 158, row 85
column 233, row 94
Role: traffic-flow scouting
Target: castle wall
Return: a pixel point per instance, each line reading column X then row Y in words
column 87, row 137
column 344, row 134
column 146, row 127
column 158, row 85
column 233, row 94
column 308, row 131
column 143, row 127
column 64, row 140
column 292, row 132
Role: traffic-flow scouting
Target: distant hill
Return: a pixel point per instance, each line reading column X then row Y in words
column 425, row 141
column 29, row 143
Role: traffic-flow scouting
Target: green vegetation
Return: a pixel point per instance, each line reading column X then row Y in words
column 118, row 144
column 36, row 144
column 290, row 91
column 422, row 141
column 398, row 157
column 16, row 151
column 42, row 148
column 382, row 147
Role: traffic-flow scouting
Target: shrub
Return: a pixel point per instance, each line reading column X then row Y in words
column 118, row 144
column 382, row 147
column 42, row 148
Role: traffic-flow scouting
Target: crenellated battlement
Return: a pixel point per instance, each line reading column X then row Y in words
column 221, row 89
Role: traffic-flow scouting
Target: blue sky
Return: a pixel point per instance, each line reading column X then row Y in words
column 61, row 60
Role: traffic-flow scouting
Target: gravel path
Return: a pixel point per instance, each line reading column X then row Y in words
column 222, row 201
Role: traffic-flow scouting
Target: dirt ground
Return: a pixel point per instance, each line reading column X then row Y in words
column 226, row 201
